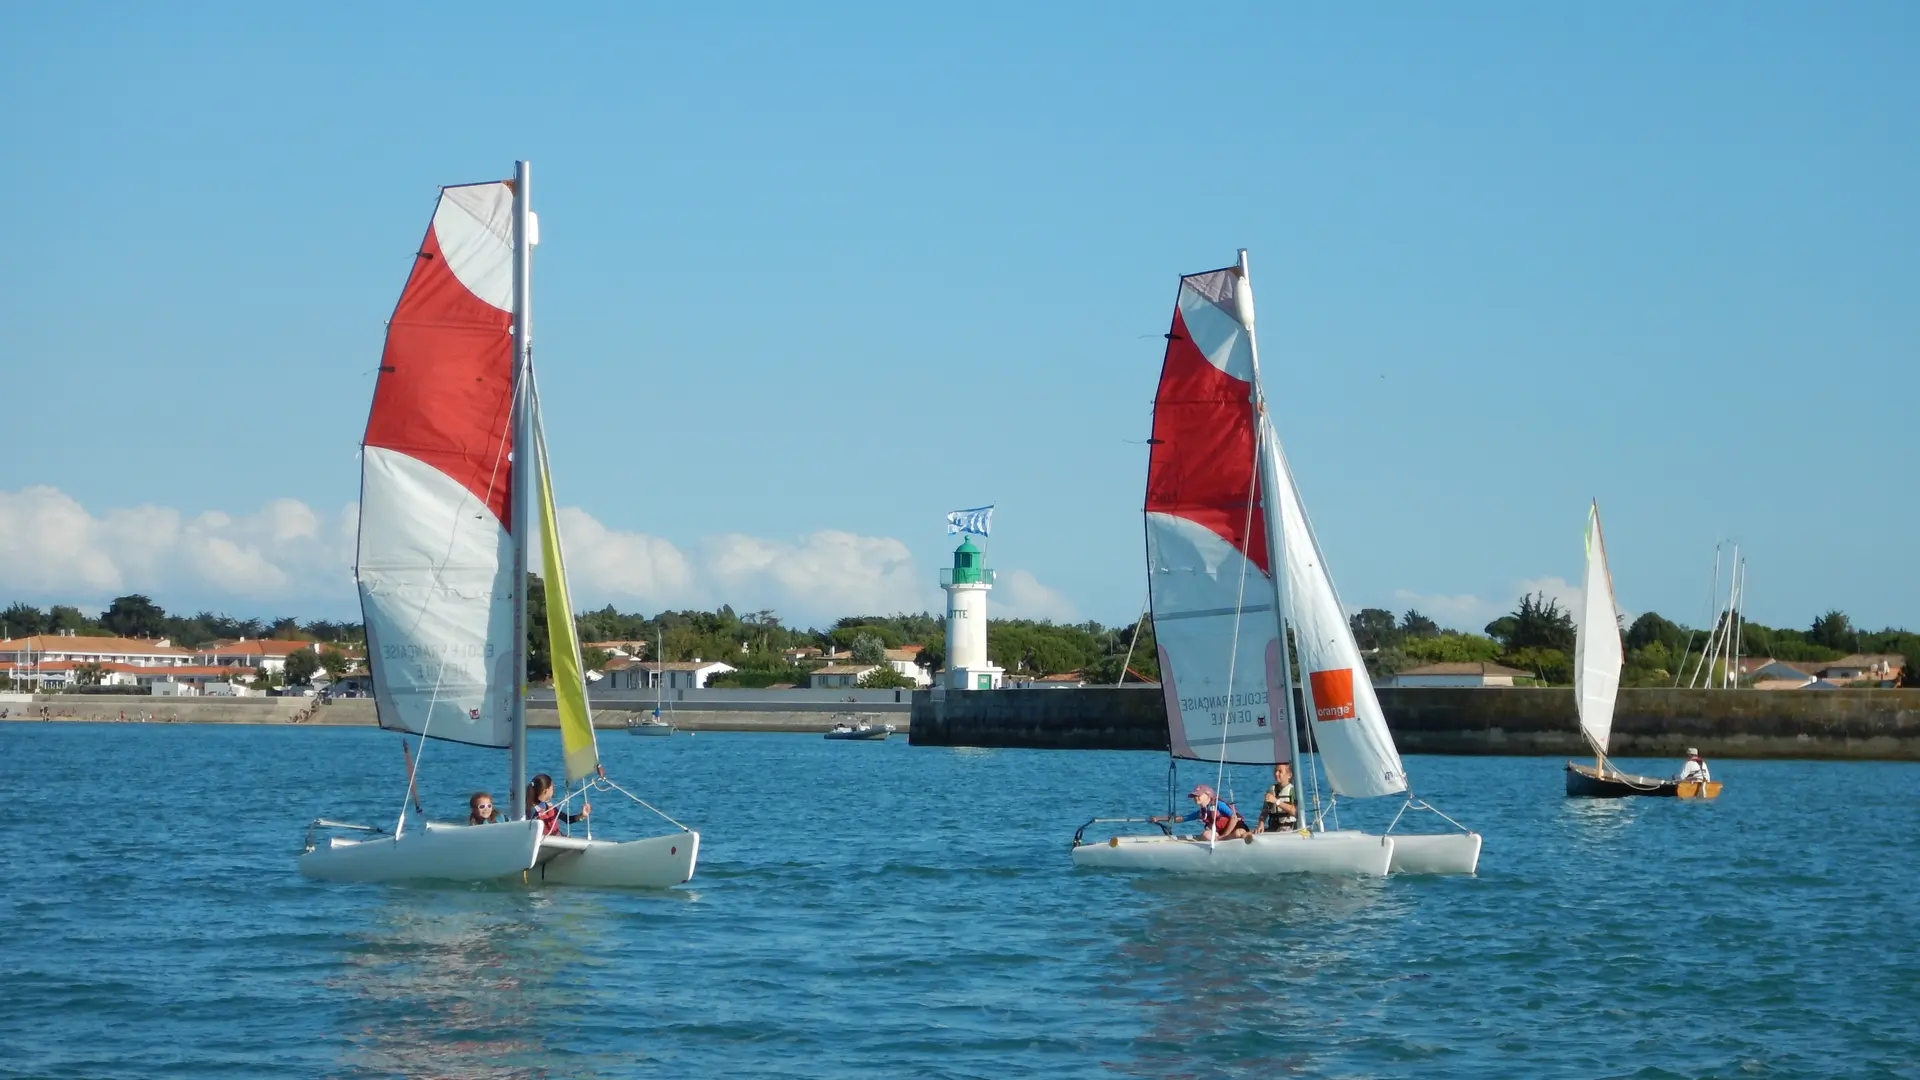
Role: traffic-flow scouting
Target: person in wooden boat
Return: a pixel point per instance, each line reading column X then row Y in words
column 480, row 809
column 1218, row 820
column 1279, row 812
column 540, row 805
column 1694, row 768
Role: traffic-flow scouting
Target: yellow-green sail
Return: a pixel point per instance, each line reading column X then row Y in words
column 582, row 756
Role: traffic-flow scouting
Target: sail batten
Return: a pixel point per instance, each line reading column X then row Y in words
column 1597, row 650
column 434, row 559
column 1210, row 588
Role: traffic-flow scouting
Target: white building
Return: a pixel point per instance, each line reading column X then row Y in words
column 839, row 676
column 261, row 653
column 906, row 661
column 967, row 584
column 627, row 674
column 1475, row 673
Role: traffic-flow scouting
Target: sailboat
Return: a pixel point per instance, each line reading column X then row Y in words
column 1235, row 572
column 655, row 724
column 1597, row 657
column 454, row 471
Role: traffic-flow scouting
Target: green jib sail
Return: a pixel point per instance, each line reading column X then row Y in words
column 563, row 638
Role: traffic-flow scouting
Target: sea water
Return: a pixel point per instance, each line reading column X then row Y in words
column 876, row 909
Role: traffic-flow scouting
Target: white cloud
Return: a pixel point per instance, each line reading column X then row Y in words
column 54, row 549
column 1020, row 595
column 1554, row 588
column 287, row 558
column 1467, row 612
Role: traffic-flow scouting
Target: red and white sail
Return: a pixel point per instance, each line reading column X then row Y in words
column 1207, row 558
column 1349, row 729
column 435, row 561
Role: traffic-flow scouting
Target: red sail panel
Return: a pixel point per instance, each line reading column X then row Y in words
column 1201, row 464
column 445, row 391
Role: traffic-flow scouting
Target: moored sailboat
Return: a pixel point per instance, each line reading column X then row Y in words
column 1233, row 569
column 454, row 473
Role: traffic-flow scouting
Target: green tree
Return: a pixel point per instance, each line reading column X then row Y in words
column 1451, row 648
column 1835, row 631
column 1650, row 628
column 88, row 674
column 134, row 616
column 63, row 617
column 21, row 620
column 1502, row 628
column 334, row 663
column 1910, row 673
column 1375, row 628
column 594, row 659
column 1550, row 665
column 301, row 664
column 868, row 649
column 1538, row 623
column 1415, row 625
column 539, row 654
column 885, row 678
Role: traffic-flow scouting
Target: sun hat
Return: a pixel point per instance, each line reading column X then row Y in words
column 1199, row 790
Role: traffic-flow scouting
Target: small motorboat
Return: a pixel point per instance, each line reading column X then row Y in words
column 862, row 729
column 649, row 725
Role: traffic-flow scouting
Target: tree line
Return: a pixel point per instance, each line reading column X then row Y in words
column 1538, row 637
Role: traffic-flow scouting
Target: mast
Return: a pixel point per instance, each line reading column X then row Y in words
column 522, row 475
column 1269, row 509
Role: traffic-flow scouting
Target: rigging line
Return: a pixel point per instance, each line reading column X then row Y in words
column 600, row 783
column 1145, row 605
column 1233, row 657
column 413, row 761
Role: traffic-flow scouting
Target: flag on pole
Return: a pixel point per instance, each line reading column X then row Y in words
column 976, row 521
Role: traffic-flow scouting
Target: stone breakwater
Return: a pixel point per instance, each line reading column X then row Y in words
column 351, row 712
column 1881, row 725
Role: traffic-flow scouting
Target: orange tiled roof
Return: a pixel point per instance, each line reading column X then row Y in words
column 96, row 646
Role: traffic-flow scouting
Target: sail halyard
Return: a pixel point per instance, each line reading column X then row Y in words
column 579, row 751
column 1597, row 651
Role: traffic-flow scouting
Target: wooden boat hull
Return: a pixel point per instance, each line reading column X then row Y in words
column 1697, row 789
column 1585, row 781
column 1342, row 853
column 1435, row 853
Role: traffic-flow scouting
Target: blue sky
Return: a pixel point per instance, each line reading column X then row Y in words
column 812, row 276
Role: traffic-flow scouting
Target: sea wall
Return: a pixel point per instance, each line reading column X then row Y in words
column 1841, row 724
column 690, row 710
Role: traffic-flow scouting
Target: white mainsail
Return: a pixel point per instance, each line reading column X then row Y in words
column 1207, row 554
column 1348, row 726
column 1596, row 642
column 435, row 560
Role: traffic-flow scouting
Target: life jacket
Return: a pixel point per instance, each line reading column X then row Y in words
column 1221, row 818
column 549, row 815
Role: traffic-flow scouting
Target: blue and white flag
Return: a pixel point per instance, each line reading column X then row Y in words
column 974, row 521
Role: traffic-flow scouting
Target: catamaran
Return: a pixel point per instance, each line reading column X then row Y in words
column 1597, row 657
column 454, row 470
column 1235, row 572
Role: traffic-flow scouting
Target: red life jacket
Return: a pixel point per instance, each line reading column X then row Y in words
column 1221, row 818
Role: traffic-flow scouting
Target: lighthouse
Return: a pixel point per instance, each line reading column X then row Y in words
column 967, row 584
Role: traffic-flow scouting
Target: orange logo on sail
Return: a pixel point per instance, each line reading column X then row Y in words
column 1332, row 694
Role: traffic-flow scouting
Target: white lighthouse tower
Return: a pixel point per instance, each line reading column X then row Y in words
column 967, row 584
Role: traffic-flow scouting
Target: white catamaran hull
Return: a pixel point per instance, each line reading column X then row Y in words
column 437, row 852
column 1354, row 853
column 1436, row 853
column 657, row 862
column 506, row 851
